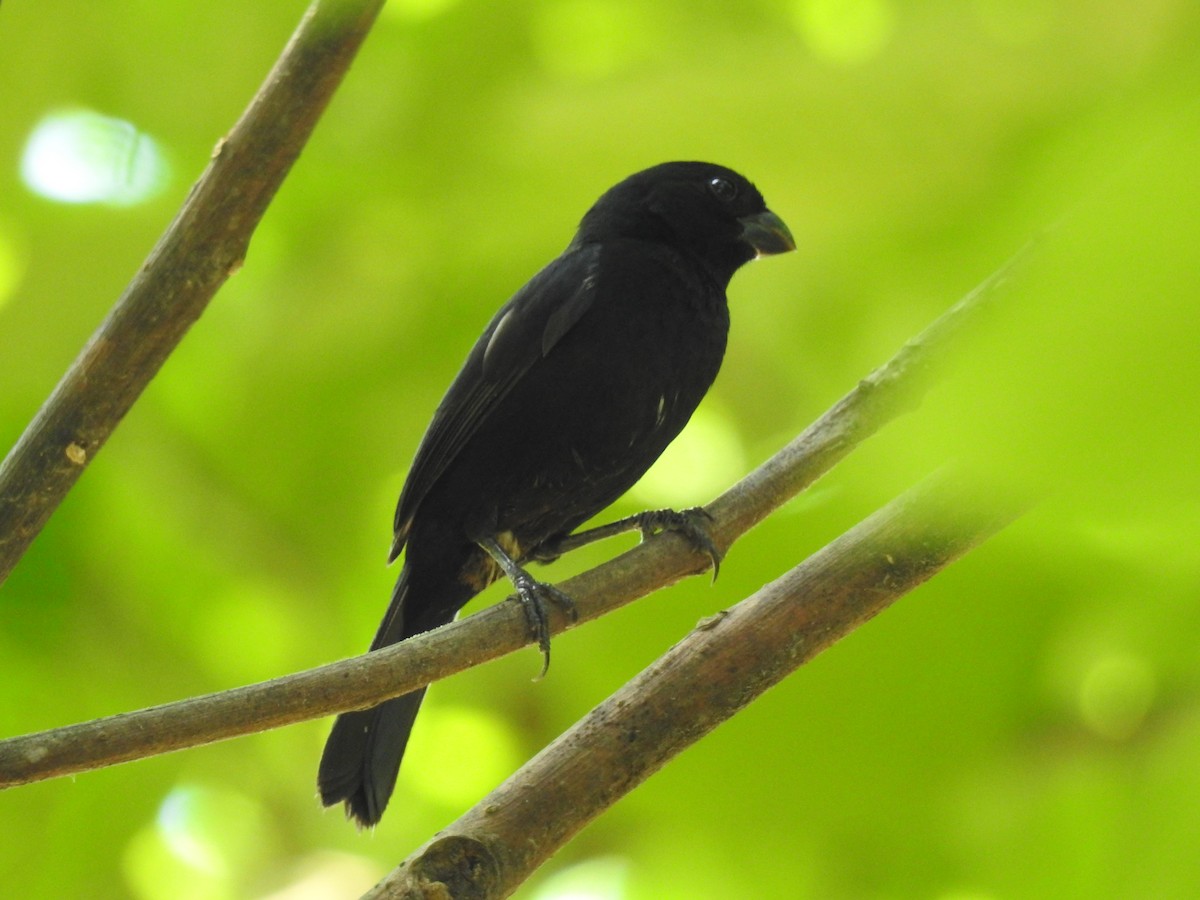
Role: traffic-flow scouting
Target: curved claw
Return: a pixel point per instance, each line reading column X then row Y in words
column 692, row 523
column 534, row 596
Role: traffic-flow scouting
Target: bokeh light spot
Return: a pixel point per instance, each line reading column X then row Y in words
column 80, row 156
column 178, row 825
column 844, row 31
column 457, row 754
column 327, row 873
column 603, row 878
column 1115, row 695
column 153, row 872
column 703, row 461
column 203, row 841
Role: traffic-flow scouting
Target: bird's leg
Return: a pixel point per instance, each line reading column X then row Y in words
column 692, row 524
column 534, row 595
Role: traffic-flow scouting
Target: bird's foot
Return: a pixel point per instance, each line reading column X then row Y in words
column 535, row 597
column 694, row 524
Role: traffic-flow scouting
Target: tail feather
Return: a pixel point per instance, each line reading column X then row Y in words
column 362, row 755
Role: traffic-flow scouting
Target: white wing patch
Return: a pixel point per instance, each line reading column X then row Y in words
column 494, row 342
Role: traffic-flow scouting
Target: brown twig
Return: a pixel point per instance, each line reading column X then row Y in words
column 203, row 246
column 726, row 662
column 368, row 679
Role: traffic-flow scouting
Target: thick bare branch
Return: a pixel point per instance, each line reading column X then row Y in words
column 727, row 661
column 368, row 679
column 202, row 247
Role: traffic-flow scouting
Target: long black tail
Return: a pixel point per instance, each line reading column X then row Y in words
column 363, row 753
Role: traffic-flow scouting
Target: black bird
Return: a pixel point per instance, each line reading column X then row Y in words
column 575, row 387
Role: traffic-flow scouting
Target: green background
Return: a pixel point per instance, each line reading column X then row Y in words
column 1025, row 725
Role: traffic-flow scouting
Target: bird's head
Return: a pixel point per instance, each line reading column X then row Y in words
column 705, row 210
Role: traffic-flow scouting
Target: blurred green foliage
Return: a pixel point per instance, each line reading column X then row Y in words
column 1026, row 725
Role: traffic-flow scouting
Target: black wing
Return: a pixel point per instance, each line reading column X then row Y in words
column 525, row 329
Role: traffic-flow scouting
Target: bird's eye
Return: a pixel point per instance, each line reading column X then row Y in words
column 723, row 189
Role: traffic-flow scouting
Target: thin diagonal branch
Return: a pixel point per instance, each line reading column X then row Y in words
column 368, row 679
column 203, row 246
column 726, row 662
